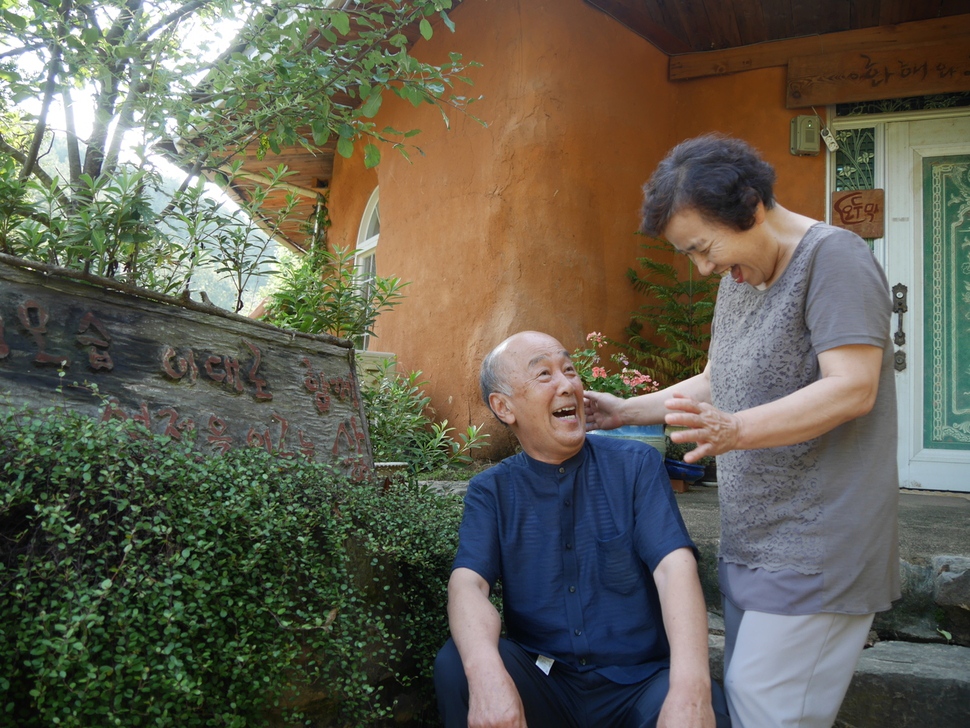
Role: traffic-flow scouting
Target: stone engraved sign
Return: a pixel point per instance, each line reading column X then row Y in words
column 176, row 366
column 861, row 211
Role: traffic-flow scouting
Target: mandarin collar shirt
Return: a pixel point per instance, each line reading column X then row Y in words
column 574, row 546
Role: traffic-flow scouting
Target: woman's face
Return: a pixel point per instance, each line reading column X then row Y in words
column 716, row 248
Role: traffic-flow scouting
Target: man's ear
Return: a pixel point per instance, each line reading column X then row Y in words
column 501, row 407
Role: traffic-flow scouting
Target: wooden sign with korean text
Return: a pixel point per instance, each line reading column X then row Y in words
column 861, row 211
column 177, row 367
column 905, row 70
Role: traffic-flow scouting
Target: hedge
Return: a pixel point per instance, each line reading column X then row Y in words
column 144, row 585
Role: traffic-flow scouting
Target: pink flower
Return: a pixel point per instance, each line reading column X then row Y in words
column 599, row 373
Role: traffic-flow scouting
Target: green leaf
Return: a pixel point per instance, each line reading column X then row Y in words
column 15, row 20
column 425, row 27
column 448, row 21
column 411, row 94
column 91, row 36
column 320, row 131
column 341, row 21
column 345, row 147
column 372, row 156
column 372, row 105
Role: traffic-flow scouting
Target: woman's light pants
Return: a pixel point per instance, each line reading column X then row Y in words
column 785, row 671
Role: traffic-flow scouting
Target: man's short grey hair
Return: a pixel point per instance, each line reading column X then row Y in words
column 492, row 375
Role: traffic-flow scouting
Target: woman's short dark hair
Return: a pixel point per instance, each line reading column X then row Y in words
column 721, row 178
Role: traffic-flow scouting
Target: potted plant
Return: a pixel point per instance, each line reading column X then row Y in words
column 704, row 470
column 619, row 379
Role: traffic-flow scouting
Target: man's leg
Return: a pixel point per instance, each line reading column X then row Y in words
column 640, row 705
column 547, row 703
column 789, row 671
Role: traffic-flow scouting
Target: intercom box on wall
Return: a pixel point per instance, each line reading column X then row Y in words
column 805, row 136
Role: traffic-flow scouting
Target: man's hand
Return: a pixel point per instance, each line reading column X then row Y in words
column 688, row 702
column 494, row 702
column 493, row 699
column 687, row 709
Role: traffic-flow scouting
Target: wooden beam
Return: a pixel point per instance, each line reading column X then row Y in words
column 912, row 70
column 261, row 179
column 778, row 53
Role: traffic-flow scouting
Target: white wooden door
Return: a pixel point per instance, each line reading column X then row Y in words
column 927, row 250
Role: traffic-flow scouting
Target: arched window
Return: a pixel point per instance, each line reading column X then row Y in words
column 365, row 258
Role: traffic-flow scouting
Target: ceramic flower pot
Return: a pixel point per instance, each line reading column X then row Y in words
column 679, row 470
column 651, row 434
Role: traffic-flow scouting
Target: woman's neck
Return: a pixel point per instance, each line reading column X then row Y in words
column 786, row 230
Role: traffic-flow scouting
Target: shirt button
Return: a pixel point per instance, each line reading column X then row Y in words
column 572, row 590
column 562, row 470
column 582, row 660
column 569, row 546
column 577, row 632
column 568, row 502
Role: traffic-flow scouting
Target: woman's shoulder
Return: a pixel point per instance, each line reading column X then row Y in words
column 825, row 237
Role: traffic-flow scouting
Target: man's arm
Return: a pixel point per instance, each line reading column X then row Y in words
column 688, row 703
column 493, row 699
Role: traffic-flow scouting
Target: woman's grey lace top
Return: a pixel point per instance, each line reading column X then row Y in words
column 801, row 507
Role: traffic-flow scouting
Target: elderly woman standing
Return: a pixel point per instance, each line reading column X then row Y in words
column 798, row 404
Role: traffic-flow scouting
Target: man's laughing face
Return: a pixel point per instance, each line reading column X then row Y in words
column 545, row 407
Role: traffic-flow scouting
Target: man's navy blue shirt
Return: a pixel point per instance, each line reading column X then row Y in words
column 574, row 546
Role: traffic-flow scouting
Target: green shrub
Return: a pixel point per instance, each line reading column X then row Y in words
column 401, row 429
column 141, row 585
column 321, row 293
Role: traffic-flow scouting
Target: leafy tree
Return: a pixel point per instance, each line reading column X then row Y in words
column 294, row 73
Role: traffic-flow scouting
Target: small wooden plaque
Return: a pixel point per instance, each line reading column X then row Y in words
column 861, row 211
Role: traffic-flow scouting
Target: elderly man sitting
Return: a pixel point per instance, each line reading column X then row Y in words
column 605, row 620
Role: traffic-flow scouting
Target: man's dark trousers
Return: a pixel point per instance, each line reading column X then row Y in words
column 563, row 699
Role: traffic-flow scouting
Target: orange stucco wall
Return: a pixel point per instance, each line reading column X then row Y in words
column 529, row 222
column 751, row 106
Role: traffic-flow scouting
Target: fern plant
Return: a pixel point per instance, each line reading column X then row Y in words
column 669, row 334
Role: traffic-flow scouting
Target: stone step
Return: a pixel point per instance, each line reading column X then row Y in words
column 935, row 598
column 897, row 685
column 909, row 685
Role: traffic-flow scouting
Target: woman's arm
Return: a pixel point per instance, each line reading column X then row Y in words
column 846, row 390
column 606, row 412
